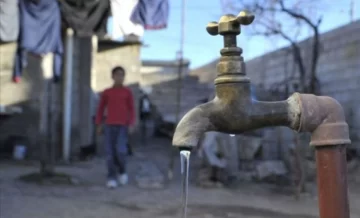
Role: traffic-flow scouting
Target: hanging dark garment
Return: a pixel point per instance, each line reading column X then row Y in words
column 40, row 33
column 9, row 20
column 151, row 14
column 86, row 17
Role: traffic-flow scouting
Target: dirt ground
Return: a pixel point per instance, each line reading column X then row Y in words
column 90, row 199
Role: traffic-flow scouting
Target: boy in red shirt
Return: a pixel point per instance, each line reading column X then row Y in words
column 119, row 104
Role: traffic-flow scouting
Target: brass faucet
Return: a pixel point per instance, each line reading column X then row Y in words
column 233, row 111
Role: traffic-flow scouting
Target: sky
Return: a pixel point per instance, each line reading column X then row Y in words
column 201, row 48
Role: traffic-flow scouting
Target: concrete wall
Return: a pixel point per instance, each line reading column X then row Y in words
column 28, row 94
column 82, row 97
column 160, row 79
column 91, row 74
column 338, row 70
column 164, row 96
column 111, row 54
column 7, row 54
column 116, row 54
column 155, row 72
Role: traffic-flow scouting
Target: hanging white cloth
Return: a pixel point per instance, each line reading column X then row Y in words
column 9, row 20
column 121, row 24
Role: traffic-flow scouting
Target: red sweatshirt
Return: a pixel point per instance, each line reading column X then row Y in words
column 119, row 104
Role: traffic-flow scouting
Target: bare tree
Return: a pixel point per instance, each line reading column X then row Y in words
column 289, row 20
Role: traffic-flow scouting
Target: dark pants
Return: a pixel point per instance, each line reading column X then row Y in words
column 116, row 138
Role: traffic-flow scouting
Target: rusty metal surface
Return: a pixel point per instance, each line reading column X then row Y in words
column 233, row 111
column 324, row 117
column 332, row 181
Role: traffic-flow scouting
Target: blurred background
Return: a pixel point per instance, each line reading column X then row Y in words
column 56, row 58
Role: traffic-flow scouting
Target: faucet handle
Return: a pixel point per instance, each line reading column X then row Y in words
column 245, row 18
column 212, row 28
column 230, row 24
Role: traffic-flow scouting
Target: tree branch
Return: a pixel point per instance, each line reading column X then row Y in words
column 268, row 12
column 299, row 16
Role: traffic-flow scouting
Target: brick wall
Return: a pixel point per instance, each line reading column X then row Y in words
column 164, row 96
column 161, row 79
column 338, row 70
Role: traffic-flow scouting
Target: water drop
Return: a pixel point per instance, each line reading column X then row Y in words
column 185, row 161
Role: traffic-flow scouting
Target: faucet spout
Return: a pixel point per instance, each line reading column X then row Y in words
column 234, row 116
column 192, row 126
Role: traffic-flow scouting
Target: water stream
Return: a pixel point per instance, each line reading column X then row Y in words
column 185, row 161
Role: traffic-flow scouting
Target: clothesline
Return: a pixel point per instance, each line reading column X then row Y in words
column 36, row 24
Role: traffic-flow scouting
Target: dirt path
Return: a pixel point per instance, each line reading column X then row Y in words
column 22, row 200
column 91, row 199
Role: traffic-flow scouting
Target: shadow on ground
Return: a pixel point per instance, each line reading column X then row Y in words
column 232, row 211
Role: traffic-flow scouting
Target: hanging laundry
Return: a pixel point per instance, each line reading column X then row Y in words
column 40, row 33
column 9, row 20
column 151, row 14
column 86, row 17
column 122, row 26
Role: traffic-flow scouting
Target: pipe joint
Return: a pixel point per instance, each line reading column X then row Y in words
column 324, row 117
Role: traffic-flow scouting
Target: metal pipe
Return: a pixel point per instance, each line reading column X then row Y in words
column 67, row 95
column 233, row 111
column 180, row 57
column 332, row 181
column 229, row 41
column 324, row 118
